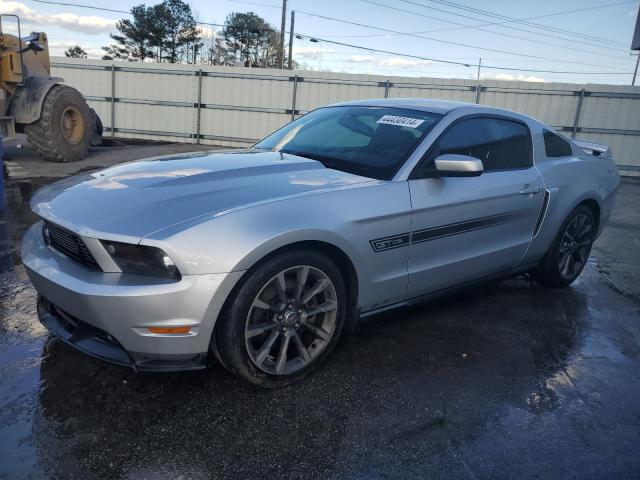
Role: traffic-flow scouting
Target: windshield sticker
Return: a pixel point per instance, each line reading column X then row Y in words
column 400, row 121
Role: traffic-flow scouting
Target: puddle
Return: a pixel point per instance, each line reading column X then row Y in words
column 16, row 218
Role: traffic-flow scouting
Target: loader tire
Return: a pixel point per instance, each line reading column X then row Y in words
column 63, row 132
column 98, row 130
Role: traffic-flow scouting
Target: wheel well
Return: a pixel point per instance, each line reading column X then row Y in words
column 592, row 205
column 341, row 259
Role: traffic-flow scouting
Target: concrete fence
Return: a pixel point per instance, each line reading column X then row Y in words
column 233, row 106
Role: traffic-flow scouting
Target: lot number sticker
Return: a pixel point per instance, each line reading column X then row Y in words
column 400, row 121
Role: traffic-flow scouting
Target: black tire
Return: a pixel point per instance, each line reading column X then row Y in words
column 550, row 272
column 230, row 336
column 54, row 136
column 98, row 130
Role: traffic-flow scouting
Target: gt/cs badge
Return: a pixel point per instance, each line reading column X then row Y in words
column 388, row 243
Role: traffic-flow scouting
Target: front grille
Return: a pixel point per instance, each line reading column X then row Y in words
column 69, row 244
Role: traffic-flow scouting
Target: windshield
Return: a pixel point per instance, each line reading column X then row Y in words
column 369, row 141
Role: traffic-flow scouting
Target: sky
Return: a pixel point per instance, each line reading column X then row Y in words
column 420, row 36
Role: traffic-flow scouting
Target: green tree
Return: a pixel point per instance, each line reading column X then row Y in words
column 133, row 41
column 250, row 40
column 75, row 52
column 179, row 35
column 217, row 52
column 164, row 32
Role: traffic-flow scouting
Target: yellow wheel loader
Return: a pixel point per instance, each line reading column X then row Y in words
column 59, row 124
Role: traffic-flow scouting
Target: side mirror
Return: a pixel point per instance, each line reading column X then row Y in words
column 452, row 165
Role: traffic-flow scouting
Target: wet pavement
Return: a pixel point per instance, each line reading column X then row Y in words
column 510, row 380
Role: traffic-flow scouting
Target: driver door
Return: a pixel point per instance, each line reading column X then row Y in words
column 467, row 228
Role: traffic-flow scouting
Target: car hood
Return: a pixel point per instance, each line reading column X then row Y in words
column 139, row 198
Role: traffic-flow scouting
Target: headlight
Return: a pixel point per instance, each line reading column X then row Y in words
column 142, row 260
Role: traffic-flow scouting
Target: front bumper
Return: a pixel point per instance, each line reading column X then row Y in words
column 100, row 344
column 107, row 315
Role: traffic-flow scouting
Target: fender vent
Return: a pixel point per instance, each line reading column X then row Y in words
column 543, row 213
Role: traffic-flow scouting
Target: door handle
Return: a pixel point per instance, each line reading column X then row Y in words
column 529, row 190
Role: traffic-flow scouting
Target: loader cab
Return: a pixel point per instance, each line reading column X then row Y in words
column 21, row 57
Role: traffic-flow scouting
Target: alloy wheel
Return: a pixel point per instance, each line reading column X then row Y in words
column 575, row 246
column 291, row 320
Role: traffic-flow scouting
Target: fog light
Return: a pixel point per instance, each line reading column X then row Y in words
column 169, row 330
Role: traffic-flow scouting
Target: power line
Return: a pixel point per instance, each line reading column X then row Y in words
column 81, row 6
column 68, row 4
column 520, row 29
column 507, row 19
column 91, row 7
column 503, row 34
column 565, row 32
column 526, row 21
column 385, row 51
column 501, row 23
column 449, row 42
column 419, row 57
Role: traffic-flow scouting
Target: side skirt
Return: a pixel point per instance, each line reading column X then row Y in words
column 451, row 290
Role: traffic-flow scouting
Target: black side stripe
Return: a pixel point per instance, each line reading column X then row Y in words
column 463, row 227
column 428, row 234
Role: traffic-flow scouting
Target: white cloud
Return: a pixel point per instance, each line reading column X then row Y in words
column 360, row 59
column 206, row 32
column 57, row 49
column 90, row 24
column 404, row 63
column 519, row 77
column 311, row 53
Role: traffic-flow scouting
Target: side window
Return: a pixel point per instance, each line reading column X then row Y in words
column 555, row 145
column 500, row 144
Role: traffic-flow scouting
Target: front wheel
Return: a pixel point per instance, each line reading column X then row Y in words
column 284, row 320
column 570, row 250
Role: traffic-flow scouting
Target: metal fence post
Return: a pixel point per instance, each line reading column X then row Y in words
column 387, row 86
column 113, row 100
column 576, row 122
column 198, row 105
column 293, row 100
column 478, row 90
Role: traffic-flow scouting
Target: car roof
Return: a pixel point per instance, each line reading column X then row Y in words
column 422, row 104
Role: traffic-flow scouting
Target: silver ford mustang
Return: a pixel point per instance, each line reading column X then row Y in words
column 263, row 257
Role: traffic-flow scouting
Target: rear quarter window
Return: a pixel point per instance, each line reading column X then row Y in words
column 556, row 146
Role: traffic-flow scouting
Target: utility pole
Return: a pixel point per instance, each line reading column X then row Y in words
column 283, row 25
column 291, row 36
column 635, row 45
column 479, row 65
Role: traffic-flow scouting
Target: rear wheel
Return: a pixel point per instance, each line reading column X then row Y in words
column 570, row 250
column 284, row 320
column 63, row 132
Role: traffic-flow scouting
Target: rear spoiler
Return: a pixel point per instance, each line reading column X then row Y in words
column 592, row 148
